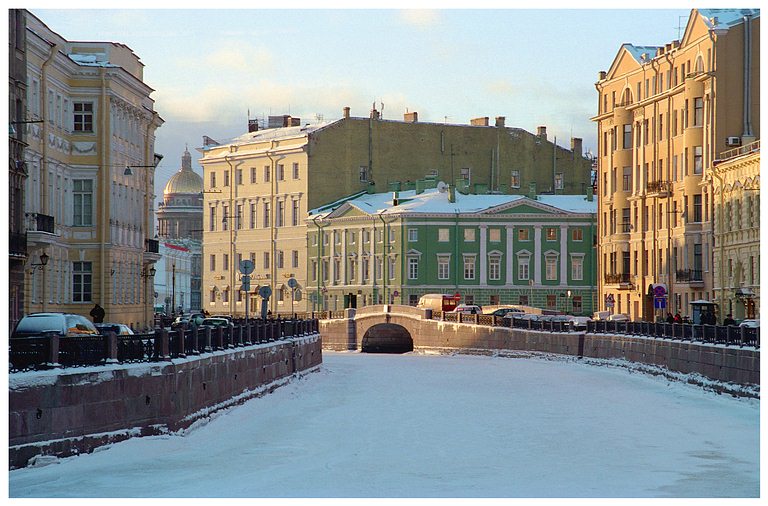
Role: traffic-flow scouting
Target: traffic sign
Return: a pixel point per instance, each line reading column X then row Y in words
column 246, row 266
column 265, row 292
column 292, row 283
column 659, row 303
column 457, row 296
column 395, row 293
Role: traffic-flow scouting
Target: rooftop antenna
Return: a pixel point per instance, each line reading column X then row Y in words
column 679, row 25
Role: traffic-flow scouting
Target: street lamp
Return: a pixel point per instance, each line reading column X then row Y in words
column 148, row 273
column 42, row 264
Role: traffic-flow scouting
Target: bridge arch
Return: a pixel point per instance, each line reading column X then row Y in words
column 387, row 338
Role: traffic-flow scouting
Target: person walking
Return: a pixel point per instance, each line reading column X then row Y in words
column 97, row 313
column 729, row 320
column 670, row 318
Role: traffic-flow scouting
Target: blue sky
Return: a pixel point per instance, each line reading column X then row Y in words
column 210, row 67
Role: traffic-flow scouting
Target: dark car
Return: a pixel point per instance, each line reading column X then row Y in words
column 503, row 311
column 63, row 324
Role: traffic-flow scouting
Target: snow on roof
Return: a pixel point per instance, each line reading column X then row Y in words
column 637, row 52
column 276, row 133
column 90, row 60
column 726, row 17
column 432, row 201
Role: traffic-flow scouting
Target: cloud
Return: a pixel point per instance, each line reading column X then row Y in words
column 420, row 18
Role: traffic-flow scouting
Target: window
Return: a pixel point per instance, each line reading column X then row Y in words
column 697, row 160
column 466, row 173
column 443, row 235
column 239, row 176
column 577, row 234
column 226, row 178
column 265, row 214
column 225, row 295
column 212, row 295
column 494, row 267
column 83, row 201
column 627, row 139
column 523, row 300
column 413, row 268
column 239, row 217
column 413, row 234
column 698, row 111
column 313, row 270
column 81, row 281
column 577, row 268
column 551, row 301
column 212, row 259
column 364, row 267
column 83, row 117
column 366, row 236
column 295, row 170
column 363, row 174
column 515, row 181
column 212, row 224
column 266, row 259
column 280, row 172
column 469, row 266
column 494, row 235
column 551, row 234
column 523, row 234
column 280, row 216
column 391, row 267
column 294, row 259
column 253, row 174
column 697, row 208
column 551, row 267
column 213, row 180
column 225, row 218
column 576, row 305
column 443, row 267
column 279, row 259
column 469, row 235
column 523, row 262
column 559, row 181
column 253, row 215
column 266, row 173
column 225, row 262
column 295, row 213
column 352, row 269
column 627, row 179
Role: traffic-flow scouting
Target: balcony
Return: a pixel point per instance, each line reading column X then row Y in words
column 17, row 245
column 151, row 250
column 41, row 230
column 623, row 279
column 659, row 188
column 690, row 276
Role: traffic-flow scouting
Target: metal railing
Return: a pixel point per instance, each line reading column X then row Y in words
column 52, row 351
column 689, row 275
column 151, row 245
column 41, row 223
column 620, row 277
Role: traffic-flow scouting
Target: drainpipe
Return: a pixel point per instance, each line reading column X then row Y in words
column 44, row 149
column 104, row 189
column 718, row 240
column 231, row 226
column 272, row 231
column 456, row 251
column 747, row 76
column 319, row 259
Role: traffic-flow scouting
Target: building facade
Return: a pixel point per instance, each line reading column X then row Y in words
column 173, row 279
column 664, row 114
column 490, row 249
column 259, row 187
column 90, row 216
column 17, row 172
column 736, row 190
column 180, row 222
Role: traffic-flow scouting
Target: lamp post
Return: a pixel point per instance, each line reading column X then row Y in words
column 145, row 275
column 41, row 266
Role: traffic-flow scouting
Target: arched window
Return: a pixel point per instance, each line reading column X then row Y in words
column 626, row 97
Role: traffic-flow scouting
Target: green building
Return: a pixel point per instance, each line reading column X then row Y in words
column 492, row 249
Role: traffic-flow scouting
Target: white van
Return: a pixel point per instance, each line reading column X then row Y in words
column 437, row 302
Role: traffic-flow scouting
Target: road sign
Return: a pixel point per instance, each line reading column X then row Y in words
column 659, row 303
column 246, row 266
column 395, row 293
column 265, row 292
column 659, row 291
column 292, row 283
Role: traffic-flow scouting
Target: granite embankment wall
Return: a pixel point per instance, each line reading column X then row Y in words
column 731, row 364
column 70, row 411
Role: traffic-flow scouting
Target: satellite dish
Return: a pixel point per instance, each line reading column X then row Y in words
column 442, row 187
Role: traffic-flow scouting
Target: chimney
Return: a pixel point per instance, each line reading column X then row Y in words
column 532, row 190
column 479, row 121
column 542, row 132
column 411, row 117
column 253, row 125
column 576, row 146
column 293, row 121
column 452, row 193
column 346, row 113
column 374, row 113
column 590, row 193
column 500, row 121
column 601, row 75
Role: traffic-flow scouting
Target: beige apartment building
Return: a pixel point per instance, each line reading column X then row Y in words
column 89, row 224
column 736, row 189
column 259, row 187
column 664, row 115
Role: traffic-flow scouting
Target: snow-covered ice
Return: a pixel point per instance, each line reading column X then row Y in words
column 440, row 426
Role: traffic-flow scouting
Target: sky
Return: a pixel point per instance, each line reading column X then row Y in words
column 377, row 425
column 211, row 68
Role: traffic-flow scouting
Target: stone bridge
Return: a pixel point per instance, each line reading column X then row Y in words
column 398, row 329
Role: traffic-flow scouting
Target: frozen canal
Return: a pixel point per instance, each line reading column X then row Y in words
column 439, row 426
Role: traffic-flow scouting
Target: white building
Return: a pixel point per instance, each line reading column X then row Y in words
column 173, row 279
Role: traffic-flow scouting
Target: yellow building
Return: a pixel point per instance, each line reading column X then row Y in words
column 664, row 113
column 93, row 223
column 259, row 187
column 736, row 186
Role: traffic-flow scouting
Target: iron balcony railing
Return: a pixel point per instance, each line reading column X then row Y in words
column 151, row 245
column 658, row 187
column 689, row 275
column 620, row 277
column 41, row 223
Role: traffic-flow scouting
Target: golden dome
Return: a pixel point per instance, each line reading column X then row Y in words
column 185, row 180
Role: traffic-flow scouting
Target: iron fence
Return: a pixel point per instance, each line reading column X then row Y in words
column 51, row 350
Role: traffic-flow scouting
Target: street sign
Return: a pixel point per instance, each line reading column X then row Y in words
column 659, row 303
column 246, row 266
column 659, row 291
column 292, row 283
column 265, row 292
column 395, row 293
column 457, row 296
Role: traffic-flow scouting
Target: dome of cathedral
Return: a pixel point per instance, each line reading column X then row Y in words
column 185, row 180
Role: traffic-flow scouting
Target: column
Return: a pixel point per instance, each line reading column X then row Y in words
column 483, row 255
column 563, row 255
column 537, row 254
column 510, row 260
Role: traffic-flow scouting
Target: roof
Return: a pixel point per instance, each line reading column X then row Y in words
column 726, row 18
column 433, row 201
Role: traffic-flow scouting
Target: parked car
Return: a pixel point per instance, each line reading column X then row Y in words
column 120, row 329
column 468, row 309
column 437, row 302
column 188, row 320
column 523, row 316
column 601, row 315
column 503, row 311
column 227, row 317
column 755, row 324
column 618, row 317
column 215, row 322
column 579, row 322
column 63, row 324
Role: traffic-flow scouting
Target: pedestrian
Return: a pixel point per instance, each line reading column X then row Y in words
column 97, row 313
column 670, row 318
column 678, row 318
column 729, row 320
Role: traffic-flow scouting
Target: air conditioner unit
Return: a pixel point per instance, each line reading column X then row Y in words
column 733, row 141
